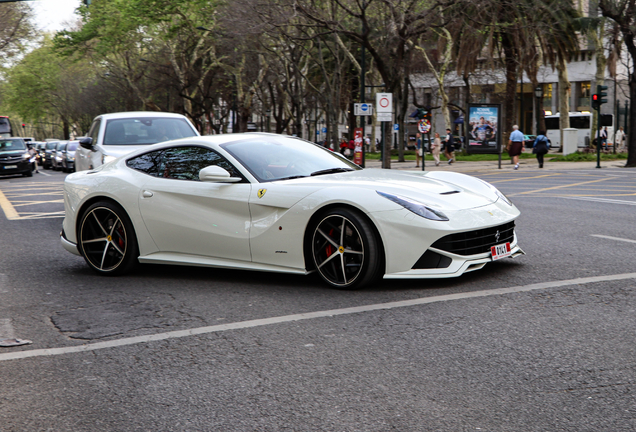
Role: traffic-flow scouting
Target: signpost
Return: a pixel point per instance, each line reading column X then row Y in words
column 362, row 109
column 384, row 109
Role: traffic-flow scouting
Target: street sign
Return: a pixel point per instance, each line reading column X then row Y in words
column 424, row 126
column 362, row 109
column 324, row 130
column 396, row 127
column 384, row 117
column 384, row 102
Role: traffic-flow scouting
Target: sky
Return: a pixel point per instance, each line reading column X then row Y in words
column 51, row 14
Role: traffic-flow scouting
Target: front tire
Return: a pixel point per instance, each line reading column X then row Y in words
column 346, row 250
column 107, row 240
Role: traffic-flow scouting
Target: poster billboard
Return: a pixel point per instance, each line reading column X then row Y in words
column 483, row 132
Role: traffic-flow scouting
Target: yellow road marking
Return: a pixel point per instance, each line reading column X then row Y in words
column 559, row 187
column 525, row 178
column 8, row 209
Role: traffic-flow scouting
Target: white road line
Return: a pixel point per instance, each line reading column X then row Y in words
column 603, row 200
column 307, row 316
column 613, row 238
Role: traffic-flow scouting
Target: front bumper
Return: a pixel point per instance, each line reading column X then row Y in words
column 68, row 245
column 15, row 167
column 458, row 266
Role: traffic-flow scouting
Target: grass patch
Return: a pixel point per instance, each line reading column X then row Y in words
column 588, row 157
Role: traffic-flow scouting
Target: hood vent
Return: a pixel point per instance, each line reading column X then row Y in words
column 449, row 193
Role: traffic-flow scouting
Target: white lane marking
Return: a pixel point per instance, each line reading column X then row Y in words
column 307, row 316
column 613, row 238
column 604, row 200
column 44, row 173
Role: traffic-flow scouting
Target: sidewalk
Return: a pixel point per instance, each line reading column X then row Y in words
column 483, row 166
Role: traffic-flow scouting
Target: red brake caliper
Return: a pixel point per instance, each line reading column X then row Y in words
column 330, row 249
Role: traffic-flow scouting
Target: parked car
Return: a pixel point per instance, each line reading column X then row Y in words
column 14, row 157
column 49, row 150
column 528, row 140
column 58, row 155
column 68, row 162
column 114, row 135
column 273, row 203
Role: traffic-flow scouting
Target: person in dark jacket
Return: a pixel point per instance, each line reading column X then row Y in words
column 540, row 147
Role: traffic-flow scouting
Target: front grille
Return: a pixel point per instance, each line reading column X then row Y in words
column 476, row 242
column 11, row 159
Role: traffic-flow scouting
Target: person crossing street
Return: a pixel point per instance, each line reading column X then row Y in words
column 515, row 145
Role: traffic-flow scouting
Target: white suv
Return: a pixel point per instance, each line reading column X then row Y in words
column 114, row 135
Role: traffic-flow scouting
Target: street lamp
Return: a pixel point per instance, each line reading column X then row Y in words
column 268, row 113
column 538, row 94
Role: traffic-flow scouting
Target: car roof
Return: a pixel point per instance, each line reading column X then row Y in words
column 133, row 114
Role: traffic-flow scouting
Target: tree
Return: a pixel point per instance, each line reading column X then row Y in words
column 623, row 12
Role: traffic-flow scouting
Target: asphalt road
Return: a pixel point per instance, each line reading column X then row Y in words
column 544, row 342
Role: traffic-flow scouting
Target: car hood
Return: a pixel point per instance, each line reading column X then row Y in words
column 117, row 151
column 443, row 190
column 12, row 153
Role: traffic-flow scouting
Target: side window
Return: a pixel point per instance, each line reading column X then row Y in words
column 94, row 132
column 184, row 163
column 149, row 163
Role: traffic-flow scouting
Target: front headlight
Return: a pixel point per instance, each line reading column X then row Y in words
column 26, row 156
column 107, row 159
column 416, row 207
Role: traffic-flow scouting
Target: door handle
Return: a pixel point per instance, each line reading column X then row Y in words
column 147, row 194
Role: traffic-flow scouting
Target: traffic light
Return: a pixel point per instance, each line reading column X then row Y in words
column 601, row 93
column 595, row 104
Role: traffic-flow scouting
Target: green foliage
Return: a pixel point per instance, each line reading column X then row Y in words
column 589, row 157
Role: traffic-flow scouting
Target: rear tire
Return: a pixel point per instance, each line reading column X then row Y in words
column 346, row 249
column 107, row 240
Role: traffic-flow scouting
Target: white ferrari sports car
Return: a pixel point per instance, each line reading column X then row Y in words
column 268, row 202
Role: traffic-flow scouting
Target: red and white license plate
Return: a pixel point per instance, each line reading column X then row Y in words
column 500, row 251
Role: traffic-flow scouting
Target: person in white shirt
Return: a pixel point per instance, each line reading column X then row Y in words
column 619, row 140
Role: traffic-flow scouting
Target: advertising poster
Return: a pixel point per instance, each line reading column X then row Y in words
column 357, row 152
column 482, row 129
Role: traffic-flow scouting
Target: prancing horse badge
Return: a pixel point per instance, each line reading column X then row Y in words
column 261, row 192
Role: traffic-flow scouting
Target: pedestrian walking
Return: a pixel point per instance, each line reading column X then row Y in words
column 449, row 147
column 540, row 147
column 619, row 139
column 436, row 147
column 33, row 153
column 419, row 153
column 604, row 138
column 515, row 145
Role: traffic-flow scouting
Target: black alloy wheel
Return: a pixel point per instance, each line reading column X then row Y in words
column 106, row 239
column 345, row 250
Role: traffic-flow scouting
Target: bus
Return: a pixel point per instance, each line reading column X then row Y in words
column 5, row 127
column 581, row 121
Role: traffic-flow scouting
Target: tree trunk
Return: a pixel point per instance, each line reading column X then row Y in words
column 511, row 89
column 564, row 98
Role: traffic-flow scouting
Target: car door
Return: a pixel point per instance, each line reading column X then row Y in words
column 188, row 216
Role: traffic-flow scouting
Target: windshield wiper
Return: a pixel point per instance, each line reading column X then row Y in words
column 330, row 171
column 292, row 177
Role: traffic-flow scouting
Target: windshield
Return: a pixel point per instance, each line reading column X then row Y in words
column 271, row 158
column 146, row 130
column 72, row 146
column 11, row 145
column 51, row 145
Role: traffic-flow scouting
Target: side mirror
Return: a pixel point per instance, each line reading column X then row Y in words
column 216, row 174
column 86, row 142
